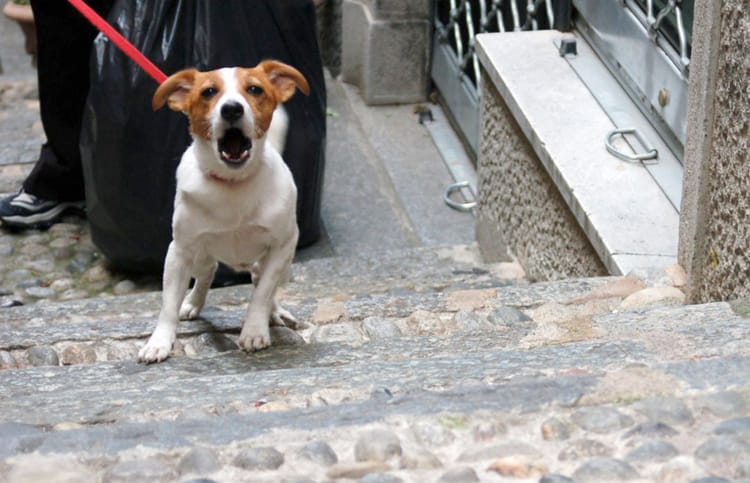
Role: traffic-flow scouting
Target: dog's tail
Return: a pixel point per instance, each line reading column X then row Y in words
column 277, row 130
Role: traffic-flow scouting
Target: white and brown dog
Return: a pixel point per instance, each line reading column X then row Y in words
column 236, row 199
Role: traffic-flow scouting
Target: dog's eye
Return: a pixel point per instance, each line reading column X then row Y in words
column 208, row 92
column 255, row 90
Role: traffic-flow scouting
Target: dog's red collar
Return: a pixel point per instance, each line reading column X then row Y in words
column 220, row 179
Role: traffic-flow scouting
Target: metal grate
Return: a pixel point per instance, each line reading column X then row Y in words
column 670, row 21
column 456, row 69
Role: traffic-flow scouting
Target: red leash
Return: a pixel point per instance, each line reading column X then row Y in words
column 127, row 48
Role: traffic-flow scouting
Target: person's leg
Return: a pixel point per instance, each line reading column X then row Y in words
column 64, row 40
column 55, row 184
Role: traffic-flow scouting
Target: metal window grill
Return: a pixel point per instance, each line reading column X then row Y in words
column 456, row 70
column 670, row 21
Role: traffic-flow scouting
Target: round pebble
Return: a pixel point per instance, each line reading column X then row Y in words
column 554, row 429
column 213, row 342
column 723, row 404
column 432, row 434
column 601, row 420
column 377, row 445
column 285, row 336
column 124, row 287
column 260, row 458
column 129, row 471
column 77, row 354
column 336, row 333
column 739, row 427
column 419, row 459
column 198, row 460
column 665, row 409
column 42, row 356
column 459, row 475
column 41, row 292
column 652, row 451
column 380, row 478
column 722, row 455
column 556, row 478
column 319, row 452
column 584, row 448
column 598, row 470
column 7, row 361
column 380, row 328
column 651, row 429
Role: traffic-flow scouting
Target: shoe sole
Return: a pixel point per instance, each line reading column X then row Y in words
column 44, row 220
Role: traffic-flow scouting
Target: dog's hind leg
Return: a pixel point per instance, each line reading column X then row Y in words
column 268, row 276
column 196, row 299
column 176, row 280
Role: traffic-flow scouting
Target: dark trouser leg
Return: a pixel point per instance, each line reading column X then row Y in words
column 64, row 40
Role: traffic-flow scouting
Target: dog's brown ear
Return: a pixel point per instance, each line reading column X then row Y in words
column 174, row 91
column 284, row 78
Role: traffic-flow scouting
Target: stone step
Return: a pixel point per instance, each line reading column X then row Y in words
column 650, row 392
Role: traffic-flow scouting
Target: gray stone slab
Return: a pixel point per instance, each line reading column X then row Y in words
column 617, row 204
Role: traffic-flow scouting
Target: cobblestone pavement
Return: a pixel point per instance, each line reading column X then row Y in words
column 419, row 366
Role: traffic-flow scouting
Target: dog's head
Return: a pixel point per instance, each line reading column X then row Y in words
column 230, row 109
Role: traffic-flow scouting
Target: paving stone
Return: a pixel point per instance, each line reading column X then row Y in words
column 723, row 404
column 597, row 470
column 556, row 478
column 380, row 478
column 260, row 458
column 668, row 410
column 377, row 445
column 601, row 420
column 42, row 356
column 680, row 469
column 331, row 333
column 380, row 328
column 319, row 452
column 652, row 451
column 555, row 429
column 7, row 361
column 139, row 470
column 500, row 450
column 722, row 455
column 213, row 342
column 584, row 448
column 356, row 470
column 459, row 475
column 738, row 426
column 198, row 460
column 430, row 433
column 487, row 429
column 518, row 467
column 77, row 354
column 419, row 459
column 650, row 429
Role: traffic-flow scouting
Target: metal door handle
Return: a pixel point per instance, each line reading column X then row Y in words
column 467, row 207
column 649, row 157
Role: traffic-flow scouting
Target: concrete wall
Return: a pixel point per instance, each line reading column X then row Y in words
column 385, row 49
column 519, row 207
column 715, row 216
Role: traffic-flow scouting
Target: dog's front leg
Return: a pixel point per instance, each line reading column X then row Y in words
column 191, row 307
column 255, row 333
column 176, row 280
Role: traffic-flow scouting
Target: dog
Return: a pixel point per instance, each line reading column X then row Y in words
column 236, row 199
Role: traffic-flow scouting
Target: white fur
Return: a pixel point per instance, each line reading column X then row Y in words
column 244, row 217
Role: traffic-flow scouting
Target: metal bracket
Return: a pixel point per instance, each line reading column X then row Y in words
column 649, row 157
column 466, row 207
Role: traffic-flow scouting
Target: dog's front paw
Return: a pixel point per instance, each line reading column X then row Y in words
column 255, row 340
column 188, row 311
column 281, row 317
column 156, row 349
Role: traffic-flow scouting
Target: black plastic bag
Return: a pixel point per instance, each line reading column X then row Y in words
column 130, row 153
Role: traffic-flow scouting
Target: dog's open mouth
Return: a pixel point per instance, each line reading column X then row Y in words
column 234, row 147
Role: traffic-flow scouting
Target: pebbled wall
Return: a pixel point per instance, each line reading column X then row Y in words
column 715, row 231
column 520, row 210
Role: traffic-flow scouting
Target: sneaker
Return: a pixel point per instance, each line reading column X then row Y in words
column 24, row 210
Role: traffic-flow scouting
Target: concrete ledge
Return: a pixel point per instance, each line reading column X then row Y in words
column 628, row 220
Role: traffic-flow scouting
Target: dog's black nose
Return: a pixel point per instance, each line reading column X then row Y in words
column 231, row 111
